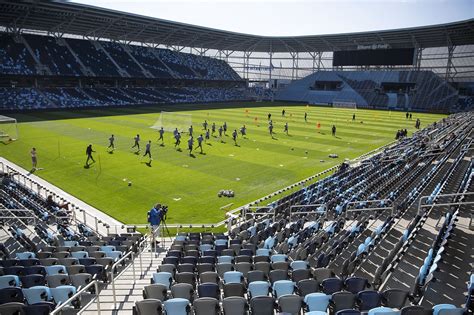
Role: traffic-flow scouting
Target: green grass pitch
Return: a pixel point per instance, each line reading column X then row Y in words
column 189, row 185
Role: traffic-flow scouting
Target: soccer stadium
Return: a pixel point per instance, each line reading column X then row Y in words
column 150, row 166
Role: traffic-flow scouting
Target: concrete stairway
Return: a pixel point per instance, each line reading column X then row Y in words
column 129, row 288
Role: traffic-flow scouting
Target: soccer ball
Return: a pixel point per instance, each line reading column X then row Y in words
column 129, row 183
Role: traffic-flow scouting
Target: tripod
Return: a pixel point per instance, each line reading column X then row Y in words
column 163, row 221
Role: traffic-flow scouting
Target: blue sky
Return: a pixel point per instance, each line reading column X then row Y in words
column 299, row 17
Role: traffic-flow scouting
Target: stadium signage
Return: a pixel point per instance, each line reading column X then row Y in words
column 373, row 46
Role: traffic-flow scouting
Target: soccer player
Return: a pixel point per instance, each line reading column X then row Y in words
column 208, row 136
column 333, row 130
column 190, row 130
column 269, row 116
column 89, row 151
column 177, row 137
column 34, row 159
column 200, row 139
column 283, row 113
column 353, row 117
column 137, row 143
column 190, row 145
column 225, row 127
column 111, row 143
column 220, row 131
column 305, row 117
column 234, row 136
column 161, row 131
column 270, row 128
column 286, row 129
column 243, row 131
column 175, row 132
column 406, row 115
column 213, row 128
column 148, row 150
column 204, row 125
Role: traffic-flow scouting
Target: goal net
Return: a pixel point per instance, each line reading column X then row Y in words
column 8, row 129
column 170, row 120
column 344, row 104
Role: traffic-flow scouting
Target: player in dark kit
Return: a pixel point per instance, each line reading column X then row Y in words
column 161, row 131
column 89, row 152
column 286, row 129
column 190, row 130
column 243, row 131
column 111, row 143
column 137, row 143
column 148, row 150
column 283, row 113
column 234, row 136
column 200, row 139
column 269, row 116
column 177, row 137
column 353, row 117
column 224, row 126
column 190, row 145
column 208, row 135
column 213, row 128
column 204, row 125
column 305, row 117
column 220, row 131
column 333, row 130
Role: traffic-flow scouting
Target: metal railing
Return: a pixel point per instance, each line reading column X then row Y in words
column 369, row 208
column 61, row 306
column 112, row 282
column 306, row 212
column 420, row 206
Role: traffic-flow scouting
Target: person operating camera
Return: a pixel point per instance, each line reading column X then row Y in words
column 155, row 215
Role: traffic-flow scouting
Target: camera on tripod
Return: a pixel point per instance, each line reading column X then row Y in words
column 164, row 211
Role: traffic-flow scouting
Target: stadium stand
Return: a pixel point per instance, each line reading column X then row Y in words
column 105, row 59
column 48, row 255
column 403, row 90
column 30, row 54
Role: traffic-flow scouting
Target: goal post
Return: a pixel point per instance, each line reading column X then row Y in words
column 8, row 129
column 350, row 104
column 171, row 120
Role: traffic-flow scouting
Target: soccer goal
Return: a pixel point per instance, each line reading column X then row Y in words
column 344, row 104
column 170, row 120
column 8, row 129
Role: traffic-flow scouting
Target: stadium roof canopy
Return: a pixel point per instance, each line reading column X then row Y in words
column 77, row 19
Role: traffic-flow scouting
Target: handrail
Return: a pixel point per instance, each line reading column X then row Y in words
column 141, row 250
column 305, row 212
column 444, row 204
column 130, row 253
column 78, row 293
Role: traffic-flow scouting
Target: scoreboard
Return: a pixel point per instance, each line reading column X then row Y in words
column 374, row 57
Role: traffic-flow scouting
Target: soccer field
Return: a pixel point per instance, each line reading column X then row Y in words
column 256, row 167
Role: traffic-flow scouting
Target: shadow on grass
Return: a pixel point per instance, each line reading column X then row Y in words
column 103, row 111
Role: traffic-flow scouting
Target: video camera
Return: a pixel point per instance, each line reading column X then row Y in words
column 164, row 211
